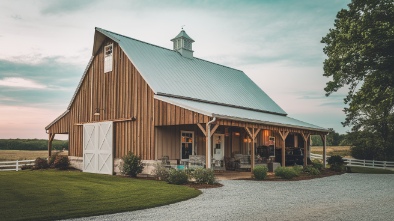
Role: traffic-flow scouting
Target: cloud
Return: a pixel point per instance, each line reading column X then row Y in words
column 20, row 82
column 43, row 83
column 66, row 6
column 16, row 17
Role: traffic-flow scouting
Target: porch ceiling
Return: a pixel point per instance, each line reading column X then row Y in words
column 238, row 114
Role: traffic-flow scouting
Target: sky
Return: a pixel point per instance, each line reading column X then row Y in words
column 45, row 47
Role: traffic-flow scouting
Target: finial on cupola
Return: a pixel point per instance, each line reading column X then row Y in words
column 183, row 44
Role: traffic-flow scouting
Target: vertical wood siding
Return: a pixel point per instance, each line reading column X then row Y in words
column 119, row 95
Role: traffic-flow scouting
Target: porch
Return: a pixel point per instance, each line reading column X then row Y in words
column 232, row 147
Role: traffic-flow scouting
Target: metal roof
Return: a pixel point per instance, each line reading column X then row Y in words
column 182, row 34
column 232, row 113
column 168, row 72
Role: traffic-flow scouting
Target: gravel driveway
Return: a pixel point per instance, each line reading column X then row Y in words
column 344, row 197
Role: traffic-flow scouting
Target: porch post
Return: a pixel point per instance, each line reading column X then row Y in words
column 323, row 137
column 306, row 137
column 252, row 135
column 50, row 139
column 283, row 135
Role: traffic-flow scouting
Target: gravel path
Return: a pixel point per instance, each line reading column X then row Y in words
column 345, row 197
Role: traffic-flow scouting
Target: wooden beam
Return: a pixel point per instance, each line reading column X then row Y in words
column 50, row 139
column 249, row 133
column 214, row 129
column 283, row 135
column 202, row 129
column 256, row 132
column 306, row 137
column 323, row 137
column 252, row 153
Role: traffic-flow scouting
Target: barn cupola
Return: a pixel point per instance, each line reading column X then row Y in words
column 183, row 44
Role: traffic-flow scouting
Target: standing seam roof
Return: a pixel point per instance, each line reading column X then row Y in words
column 168, row 72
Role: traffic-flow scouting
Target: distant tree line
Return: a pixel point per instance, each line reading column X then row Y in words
column 332, row 139
column 31, row 144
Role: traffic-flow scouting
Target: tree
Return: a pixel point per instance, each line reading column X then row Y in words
column 360, row 51
column 333, row 139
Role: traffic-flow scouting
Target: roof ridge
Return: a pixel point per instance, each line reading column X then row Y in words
column 166, row 48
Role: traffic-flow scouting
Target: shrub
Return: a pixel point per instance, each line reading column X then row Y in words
column 40, row 163
column 317, row 164
column 260, row 172
column 177, row 177
column 131, row 165
column 26, row 167
column 204, row 176
column 311, row 170
column 160, row 172
column 61, row 162
column 52, row 159
column 298, row 170
column 285, row 172
column 336, row 163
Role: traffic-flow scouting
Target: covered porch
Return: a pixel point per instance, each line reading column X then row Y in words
column 233, row 145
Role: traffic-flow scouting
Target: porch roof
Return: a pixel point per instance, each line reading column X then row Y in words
column 239, row 114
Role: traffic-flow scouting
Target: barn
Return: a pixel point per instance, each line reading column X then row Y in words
column 166, row 105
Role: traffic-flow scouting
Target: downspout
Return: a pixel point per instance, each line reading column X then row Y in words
column 209, row 142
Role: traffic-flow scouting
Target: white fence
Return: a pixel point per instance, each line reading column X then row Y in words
column 316, row 156
column 387, row 165
column 369, row 163
column 14, row 165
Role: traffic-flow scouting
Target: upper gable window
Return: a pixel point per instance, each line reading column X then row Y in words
column 108, row 58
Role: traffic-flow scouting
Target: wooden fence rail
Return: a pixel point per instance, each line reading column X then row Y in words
column 14, row 165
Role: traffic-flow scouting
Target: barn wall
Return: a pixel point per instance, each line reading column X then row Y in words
column 169, row 140
column 169, row 114
column 119, row 95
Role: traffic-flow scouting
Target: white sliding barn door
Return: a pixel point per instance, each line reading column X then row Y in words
column 98, row 148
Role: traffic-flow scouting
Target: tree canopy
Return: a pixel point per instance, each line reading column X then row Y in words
column 360, row 56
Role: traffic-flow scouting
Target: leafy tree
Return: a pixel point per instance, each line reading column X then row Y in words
column 332, row 139
column 360, row 52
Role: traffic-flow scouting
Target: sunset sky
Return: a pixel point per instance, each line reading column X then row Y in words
column 46, row 45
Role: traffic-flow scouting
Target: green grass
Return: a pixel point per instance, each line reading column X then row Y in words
column 51, row 194
column 370, row 170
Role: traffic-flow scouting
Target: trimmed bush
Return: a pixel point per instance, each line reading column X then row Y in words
column 317, row 164
column 160, row 172
column 61, row 162
column 40, row 163
column 311, row 170
column 260, row 172
column 131, row 165
column 298, row 170
column 285, row 172
column 336, row 163
column 204, row 176
column 177, row 177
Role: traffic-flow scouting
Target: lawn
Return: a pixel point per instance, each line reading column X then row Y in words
column 370, row 170
column 51, row 194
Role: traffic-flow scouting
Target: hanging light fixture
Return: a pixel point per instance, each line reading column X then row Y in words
column 97, row 112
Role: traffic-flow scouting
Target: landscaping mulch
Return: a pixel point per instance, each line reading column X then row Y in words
column 302, row 176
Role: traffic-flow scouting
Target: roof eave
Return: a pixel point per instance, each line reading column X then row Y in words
column 269, row 123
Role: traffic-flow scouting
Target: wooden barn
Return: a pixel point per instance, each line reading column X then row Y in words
column 171, row 107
